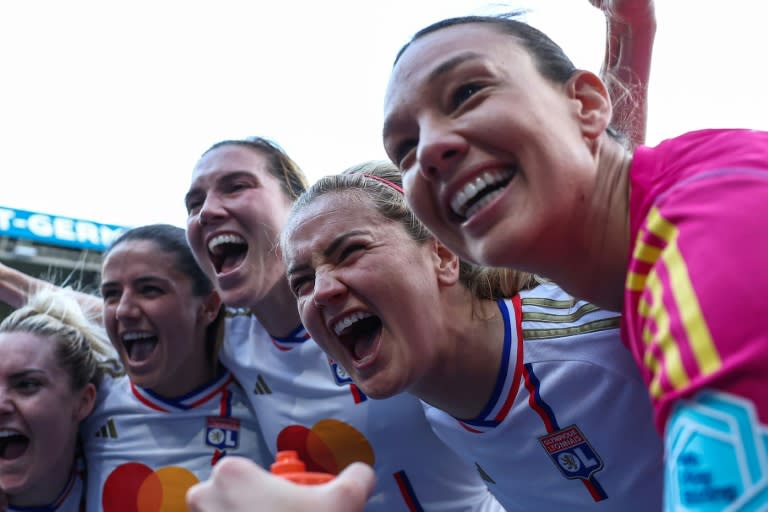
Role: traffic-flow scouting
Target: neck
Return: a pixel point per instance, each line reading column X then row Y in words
column 278, row 312
column 464, row 375
column 600, row 271
column 49, row 489
column 197, row 373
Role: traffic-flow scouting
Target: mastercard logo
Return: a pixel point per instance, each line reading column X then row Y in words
column 329, row 446
column 134, row 487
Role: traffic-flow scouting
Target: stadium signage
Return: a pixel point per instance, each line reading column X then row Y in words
column 57, row 230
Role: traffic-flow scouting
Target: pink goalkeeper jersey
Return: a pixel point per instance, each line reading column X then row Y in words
column 696, row 313
column 695, row 305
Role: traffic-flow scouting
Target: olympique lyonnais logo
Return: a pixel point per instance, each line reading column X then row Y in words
column 340, row 375
column 222, row 433
column 572, row 453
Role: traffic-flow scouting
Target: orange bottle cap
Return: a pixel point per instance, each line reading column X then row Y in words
column 288, row 465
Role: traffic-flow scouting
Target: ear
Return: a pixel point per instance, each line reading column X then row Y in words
column 593, row 103
column 87, row 401
column 211, row 307
column 446, row 264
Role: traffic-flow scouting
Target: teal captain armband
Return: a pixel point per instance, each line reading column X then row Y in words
column 716, row 456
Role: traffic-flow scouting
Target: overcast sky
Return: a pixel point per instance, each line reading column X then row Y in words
column 105, row 105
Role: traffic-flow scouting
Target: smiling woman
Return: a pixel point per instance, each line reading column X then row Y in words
column 660, row 233
column 159, row 430
column 49, row 368
column 515, row 383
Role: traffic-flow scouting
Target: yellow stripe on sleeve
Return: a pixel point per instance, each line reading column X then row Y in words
column 673, row 362
column 689, row 309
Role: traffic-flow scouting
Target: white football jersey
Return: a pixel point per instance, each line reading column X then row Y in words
column 143, row 452
column 307, row 403
column 569, row 425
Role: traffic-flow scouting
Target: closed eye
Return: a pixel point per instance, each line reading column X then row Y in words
column 28, row 386
column 300, row 285
column 110, row 294
column 192, row 203
column 236, row 187
column 403, row 150
column 349, row 250
column 151, row 290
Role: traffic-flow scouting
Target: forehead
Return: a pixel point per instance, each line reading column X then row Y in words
column 25, row 350
column 135, row 258
column 230, row 158
column 428, row 56
column 330, row 215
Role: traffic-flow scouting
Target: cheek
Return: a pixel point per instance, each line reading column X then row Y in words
column 309, row 317
column 110, row 322
column 419, row 198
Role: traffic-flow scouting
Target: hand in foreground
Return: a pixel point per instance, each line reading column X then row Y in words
column 239, row 485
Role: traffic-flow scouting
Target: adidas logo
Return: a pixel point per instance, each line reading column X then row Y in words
column 261, row 387
column 107, row 430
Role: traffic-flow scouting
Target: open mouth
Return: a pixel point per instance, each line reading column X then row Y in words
column 12, row 444
column 481, row 191
column 359, row 334
column 139, row 345
column 227, row 252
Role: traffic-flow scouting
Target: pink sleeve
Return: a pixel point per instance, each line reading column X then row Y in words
column 697, row 303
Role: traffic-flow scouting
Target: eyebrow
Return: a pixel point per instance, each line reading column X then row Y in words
column 27, row 372
column 332, row 247
column 434, row 75
column 138, row 281
column 227, row 175
column 450, row 64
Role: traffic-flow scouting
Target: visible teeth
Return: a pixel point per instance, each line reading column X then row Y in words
column 345, row 322
column 8, row 433
column 224, row 239
column 482, row 202
column 131, row 336
column 464, row 196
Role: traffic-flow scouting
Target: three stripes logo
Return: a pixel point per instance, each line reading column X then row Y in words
column 107, row 430
column 261, row 387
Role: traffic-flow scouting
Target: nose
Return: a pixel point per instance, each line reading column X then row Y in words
column 211, row 209
column 6, row 404
column 440, row 150
column 328, row 289
column 126, row 307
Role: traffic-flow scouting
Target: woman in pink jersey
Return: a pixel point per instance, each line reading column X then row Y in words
column 508, row 156
column 52, row 358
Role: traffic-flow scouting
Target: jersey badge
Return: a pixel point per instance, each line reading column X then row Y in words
column 222, row 433
column 571, row 452
column 340, row 375
column 717, row 455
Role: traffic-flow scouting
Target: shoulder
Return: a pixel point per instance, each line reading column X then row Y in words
column 548, row 311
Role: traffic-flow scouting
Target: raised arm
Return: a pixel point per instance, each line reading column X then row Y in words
column 630, row 32
column 16, row 287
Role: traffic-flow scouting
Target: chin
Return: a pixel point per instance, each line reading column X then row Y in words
column 380, row 390
column 236, row 298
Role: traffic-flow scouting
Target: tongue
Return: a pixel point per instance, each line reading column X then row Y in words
column 141, row 350
column 364, row 346
column 13, row 447
column 231, row 261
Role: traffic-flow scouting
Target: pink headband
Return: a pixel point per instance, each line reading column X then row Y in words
column 385, row 181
